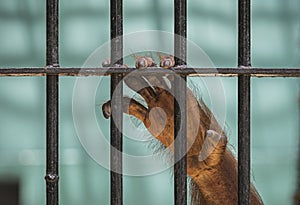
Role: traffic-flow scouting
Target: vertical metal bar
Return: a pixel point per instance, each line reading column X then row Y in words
column 244, row 139
column 52, row 61
column 244, row 103
column 116, row 162
column 180, row 127
column 180, row 29
column 244, row 58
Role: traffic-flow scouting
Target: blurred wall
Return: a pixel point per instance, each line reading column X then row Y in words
column 84, row 26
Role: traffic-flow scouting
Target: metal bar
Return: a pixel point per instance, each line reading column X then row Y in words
column 116, row 162
column 244, row 56
column 180, row 126
column 180, row 145
column 52, row 140
column 244, row 61
column 52, row 61
column 180, row 29
column 244, row 139
column 219, row 72
column 52, row 33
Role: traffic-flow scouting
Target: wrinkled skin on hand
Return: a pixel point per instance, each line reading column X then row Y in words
column 210, row 164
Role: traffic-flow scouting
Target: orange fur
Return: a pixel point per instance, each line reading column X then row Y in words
column 214, row 179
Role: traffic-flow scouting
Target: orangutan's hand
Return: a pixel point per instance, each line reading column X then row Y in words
column 158, row 116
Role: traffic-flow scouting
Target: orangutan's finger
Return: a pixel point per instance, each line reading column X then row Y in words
column 213, row 148
column 149, row 85
column 141, row 86
column 106, row 109
column 130, row 106
column 161, row 80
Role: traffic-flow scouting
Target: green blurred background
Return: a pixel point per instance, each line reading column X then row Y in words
column 84, row 26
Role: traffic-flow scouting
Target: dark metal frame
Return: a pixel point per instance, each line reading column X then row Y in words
column 52, row 61
column 180, row 129
column 220, row 72
column 244, row 61
column 244, row 72
column 116, row 140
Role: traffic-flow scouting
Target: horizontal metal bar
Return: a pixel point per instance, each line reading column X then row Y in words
column 220, row 72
